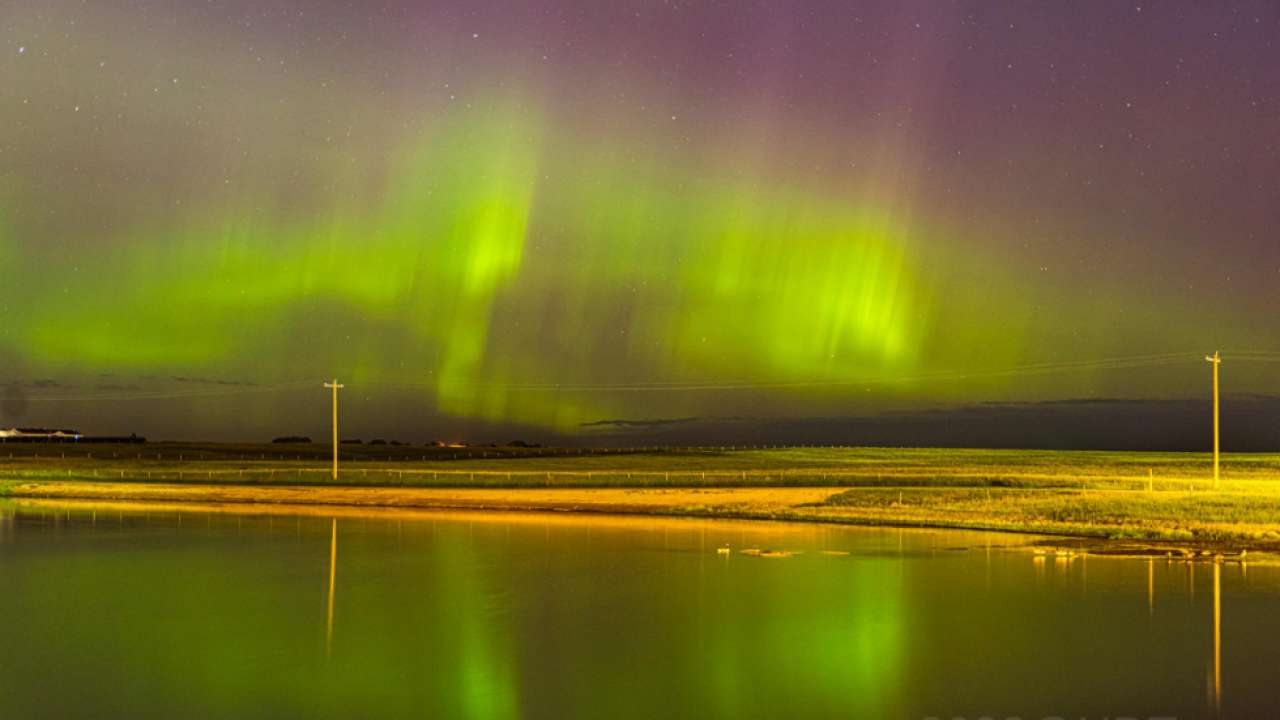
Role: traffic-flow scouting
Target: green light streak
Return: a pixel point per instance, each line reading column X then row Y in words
column 849, row 661
column 637, row 275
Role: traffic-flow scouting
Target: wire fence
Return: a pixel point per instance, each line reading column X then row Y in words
column 622, row 478
column 69, row 451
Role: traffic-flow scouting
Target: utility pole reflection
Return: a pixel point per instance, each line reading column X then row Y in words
column 333, row 565
column 1217, row 639
column 1151, row 586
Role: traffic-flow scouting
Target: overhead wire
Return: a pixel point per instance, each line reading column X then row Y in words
column 1025, row 370
column 1136, row 361
column 165, row 394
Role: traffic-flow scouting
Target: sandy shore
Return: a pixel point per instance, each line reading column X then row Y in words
column 739, row 502
column 803, row 504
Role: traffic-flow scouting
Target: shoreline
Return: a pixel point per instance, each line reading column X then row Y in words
column 817, row 505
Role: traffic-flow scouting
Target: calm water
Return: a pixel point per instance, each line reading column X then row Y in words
column 110, row 611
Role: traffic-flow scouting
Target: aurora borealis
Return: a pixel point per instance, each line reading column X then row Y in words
column 497, row 217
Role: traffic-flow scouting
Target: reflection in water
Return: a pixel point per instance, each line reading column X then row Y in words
column 1217, row 637
column 475, row 655
column 333, row 567
column 529, row 616
column 1151, row 586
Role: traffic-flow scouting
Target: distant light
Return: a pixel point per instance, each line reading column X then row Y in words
column 22, row 50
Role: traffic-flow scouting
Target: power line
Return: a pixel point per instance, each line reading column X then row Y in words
column 1261, row 356
column 1138, row 361
column 1025, row 370
column 168, row 394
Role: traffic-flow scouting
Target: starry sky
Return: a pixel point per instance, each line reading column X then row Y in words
column 580, row 221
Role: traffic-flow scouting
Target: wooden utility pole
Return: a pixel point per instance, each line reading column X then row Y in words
column 1216, row 360
column 336, row 387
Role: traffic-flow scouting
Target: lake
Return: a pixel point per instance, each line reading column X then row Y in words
column 177, row 611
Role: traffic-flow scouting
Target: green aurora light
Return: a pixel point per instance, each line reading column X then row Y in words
column 771, row 284
column 504, row 241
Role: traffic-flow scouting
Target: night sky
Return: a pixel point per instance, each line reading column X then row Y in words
column 587, row 221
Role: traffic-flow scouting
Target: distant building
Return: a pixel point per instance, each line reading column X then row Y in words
column 38, row 434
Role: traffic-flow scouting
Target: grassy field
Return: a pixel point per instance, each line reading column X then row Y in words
column 1151, row 497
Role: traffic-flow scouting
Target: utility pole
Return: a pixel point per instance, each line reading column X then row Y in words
column 336, row 387
column 1216, row 360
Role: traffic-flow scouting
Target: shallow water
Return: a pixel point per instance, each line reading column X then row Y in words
column 117, row 611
